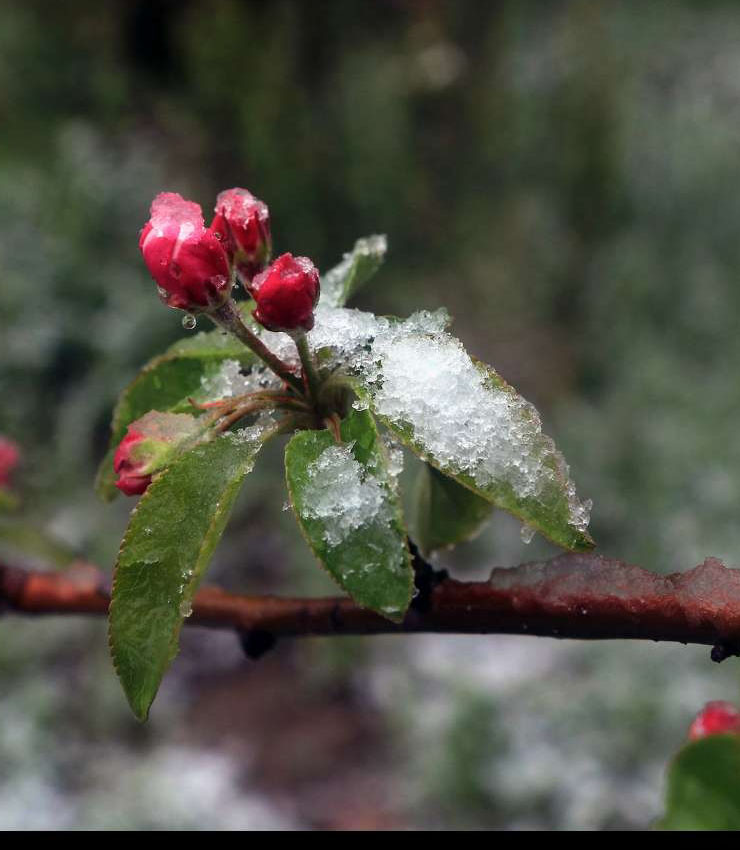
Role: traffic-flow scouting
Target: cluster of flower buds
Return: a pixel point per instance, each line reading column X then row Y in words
column 715, row 718
column 9, row 457
column 193, row 265
column 150, row 444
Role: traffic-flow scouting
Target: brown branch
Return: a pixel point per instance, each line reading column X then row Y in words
column 571, row 596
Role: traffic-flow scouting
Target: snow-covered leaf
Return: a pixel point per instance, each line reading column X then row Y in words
column 346, row 503
column 445, row 512
column 457, row 414
column 355, row 269
column 166, row 549
column 166, row 383
column 704, row 786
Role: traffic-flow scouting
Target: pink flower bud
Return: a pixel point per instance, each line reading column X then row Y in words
column 243, row 222
column 9, row 456
column 150, row 444
column 286, row 294
column 714, row 719
column 129, row 467
column 188, row 262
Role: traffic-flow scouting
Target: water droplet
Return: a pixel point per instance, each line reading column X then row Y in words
column 186, row 608
column 527, row 533
column 189, row 322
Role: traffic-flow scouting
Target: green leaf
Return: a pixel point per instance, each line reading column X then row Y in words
column 165, row 384
column 458, row 415
column 446, row 513
column 356, row 268
column 704, row 786
column 350, row 514
column 168, row 544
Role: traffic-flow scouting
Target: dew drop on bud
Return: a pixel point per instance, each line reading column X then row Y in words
column 189, row 322
column 186, row 608
column 527, row 533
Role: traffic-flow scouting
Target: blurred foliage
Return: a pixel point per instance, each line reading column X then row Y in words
column 702, row 786
column 563, row 176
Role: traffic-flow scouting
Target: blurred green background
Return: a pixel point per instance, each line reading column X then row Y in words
column 563, row 176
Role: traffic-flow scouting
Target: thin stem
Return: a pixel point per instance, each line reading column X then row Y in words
column 229, row 319
column 309, row 367
column 334, row 425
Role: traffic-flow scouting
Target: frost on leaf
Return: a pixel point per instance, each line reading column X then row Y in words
column 343, row 496
column 232, row 379
column 457, row 414
column 345, row 501
column 355, row 269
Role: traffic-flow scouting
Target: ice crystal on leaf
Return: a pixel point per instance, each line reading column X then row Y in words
column 232, row 380
column 342, row 495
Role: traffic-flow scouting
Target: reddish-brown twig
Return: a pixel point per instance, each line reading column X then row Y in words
column 572, row 596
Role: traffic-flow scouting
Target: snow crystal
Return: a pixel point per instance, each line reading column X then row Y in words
column 527, row 533
column 230, row 381
column 342, row 495
column 394, row 456
column 253, row 433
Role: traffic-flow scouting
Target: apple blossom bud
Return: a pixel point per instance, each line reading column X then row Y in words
column 9, row 456
column 150, row 444
column 243, row 222
column 286, row 294
column 188, row 261
column 714, row 719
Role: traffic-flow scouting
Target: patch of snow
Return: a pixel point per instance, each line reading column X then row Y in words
column 343, row 495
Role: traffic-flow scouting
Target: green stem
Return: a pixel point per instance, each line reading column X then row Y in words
column 229, row 319
column 309, row 368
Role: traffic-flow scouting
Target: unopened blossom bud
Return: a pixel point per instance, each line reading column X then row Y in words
column 9, row 457
column 286, row 294
column 243, row 223
column 150, row 444
column 714, row 719
column 188, row 261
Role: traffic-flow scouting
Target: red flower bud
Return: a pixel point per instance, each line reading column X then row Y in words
column 9, row 456
column 714, row 719
column 286, row 294
column 243, row 222
column 188, row 262
column 149, row 445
